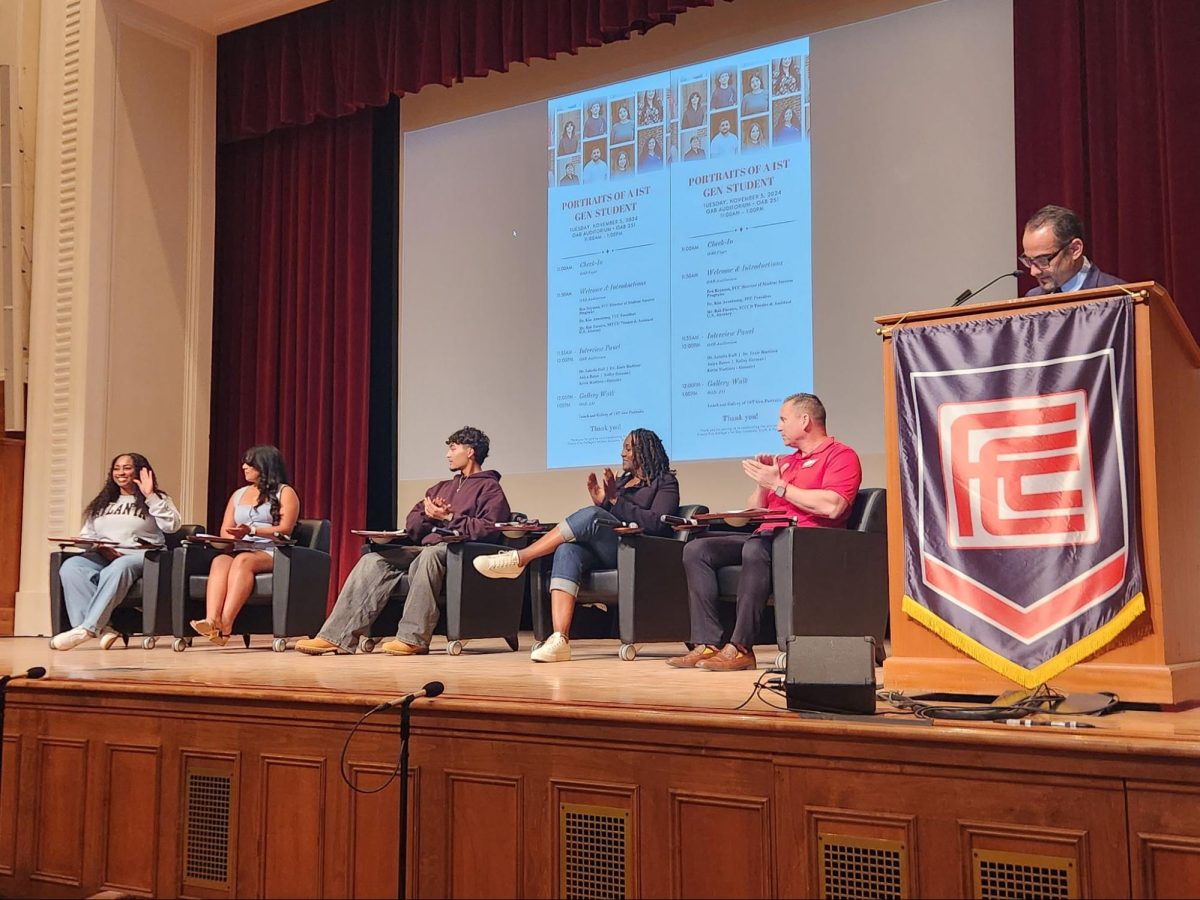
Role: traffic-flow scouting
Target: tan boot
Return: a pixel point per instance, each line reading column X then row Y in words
column 397, row 647
column 317, row 646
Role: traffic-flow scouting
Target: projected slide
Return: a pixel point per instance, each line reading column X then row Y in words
column 679, row 258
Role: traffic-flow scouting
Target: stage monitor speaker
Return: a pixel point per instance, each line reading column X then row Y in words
column 831, row 674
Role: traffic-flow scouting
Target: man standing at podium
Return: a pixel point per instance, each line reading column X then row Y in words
column 1052, row 251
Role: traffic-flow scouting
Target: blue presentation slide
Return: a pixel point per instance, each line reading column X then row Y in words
column 679, row 258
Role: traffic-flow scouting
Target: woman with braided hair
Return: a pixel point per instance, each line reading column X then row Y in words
column 267, row 505
column 641, row 495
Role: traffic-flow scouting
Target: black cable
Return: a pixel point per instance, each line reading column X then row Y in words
column 1026, row 707
column 346, row 747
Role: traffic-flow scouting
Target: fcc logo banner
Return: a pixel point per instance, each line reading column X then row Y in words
column 1019, row 484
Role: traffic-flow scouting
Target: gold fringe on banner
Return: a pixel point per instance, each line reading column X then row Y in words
column 1027, row 678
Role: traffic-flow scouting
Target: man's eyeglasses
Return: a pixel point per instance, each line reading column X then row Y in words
column 1041, row 261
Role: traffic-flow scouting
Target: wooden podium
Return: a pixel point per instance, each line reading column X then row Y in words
column 1157, row 659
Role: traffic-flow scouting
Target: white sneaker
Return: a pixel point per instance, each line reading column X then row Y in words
column 108, row 637
column 555, row 648
column 499, row 565
column 68, row 640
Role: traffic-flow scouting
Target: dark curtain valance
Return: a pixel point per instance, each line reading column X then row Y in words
column 336, row 58
column 1107, row 94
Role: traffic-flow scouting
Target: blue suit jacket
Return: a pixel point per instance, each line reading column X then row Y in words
column 1094, row 279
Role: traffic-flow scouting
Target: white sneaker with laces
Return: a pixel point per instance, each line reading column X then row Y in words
column 108, row 637
column 69, row 640
column 499, row 565
column 555, row 648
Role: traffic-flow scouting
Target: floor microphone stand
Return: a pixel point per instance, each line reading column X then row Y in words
column 402, row 877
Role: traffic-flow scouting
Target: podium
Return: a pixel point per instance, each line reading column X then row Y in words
column 1157, row 658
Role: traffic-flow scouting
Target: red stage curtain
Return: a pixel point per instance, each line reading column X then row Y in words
column 331, row 60
column 1107, row 94
column 291, row 323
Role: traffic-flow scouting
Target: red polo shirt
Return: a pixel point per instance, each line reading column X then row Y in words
column 832, row 466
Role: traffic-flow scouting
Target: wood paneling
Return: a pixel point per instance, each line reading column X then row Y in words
column 1164, row 828
column 9, row 793
column 62, row 785
column 12, row 481
column 720, row 803
column 291, row 816
column 374, row 825
column 721, row 846
column 486, row 835
column 131, row 816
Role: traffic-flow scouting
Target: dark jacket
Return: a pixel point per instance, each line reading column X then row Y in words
column 1093, row 279
column 645, row 504
column 477, row 501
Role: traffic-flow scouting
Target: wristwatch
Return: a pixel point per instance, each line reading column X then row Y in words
column 780, row 490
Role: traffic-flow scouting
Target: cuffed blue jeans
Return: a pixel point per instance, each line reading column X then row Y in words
column 590, row 544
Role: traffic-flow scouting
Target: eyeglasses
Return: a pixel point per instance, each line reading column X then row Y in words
column 1041, row 261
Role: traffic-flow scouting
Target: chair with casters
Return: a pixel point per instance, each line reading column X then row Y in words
column 287, row 602
column 828, row 581
column 648, row 587
column 473, row 607
column 145, row 609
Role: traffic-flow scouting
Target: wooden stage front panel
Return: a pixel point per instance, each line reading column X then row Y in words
column 215, row 773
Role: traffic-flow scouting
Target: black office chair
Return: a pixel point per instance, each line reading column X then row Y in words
column 828, row 581
column 145, row 609
column 473, row 607
column 648, row 587
column 287, row 602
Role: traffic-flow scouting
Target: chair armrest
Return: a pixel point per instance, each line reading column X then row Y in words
column 652, row 596
column 59, row 620
column 301, row 581
column 186, row 560
column 829, row 581
column 156, row 591
column 477, row 606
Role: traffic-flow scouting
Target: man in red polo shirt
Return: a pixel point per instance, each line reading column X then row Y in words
column 816, row 484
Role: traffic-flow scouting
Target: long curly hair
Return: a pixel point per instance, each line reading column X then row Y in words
column 649, row 456
column 110, row 492
column 272, row 475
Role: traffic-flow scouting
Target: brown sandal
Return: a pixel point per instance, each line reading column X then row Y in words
column 218, row 638
column 205, row 627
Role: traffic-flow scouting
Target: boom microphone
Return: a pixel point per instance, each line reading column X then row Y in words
column 431, row 690
column 968, row 294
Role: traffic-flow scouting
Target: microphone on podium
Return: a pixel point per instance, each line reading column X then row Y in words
column 968, row 294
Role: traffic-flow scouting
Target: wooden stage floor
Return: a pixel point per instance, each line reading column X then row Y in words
column 487, row 671
column 219, row 772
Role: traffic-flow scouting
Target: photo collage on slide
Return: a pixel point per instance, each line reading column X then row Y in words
column 725, row 111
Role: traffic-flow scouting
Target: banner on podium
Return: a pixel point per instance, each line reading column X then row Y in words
column 1019, row 473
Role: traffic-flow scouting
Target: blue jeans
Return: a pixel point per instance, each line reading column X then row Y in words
column 93, row 588
column 589, row 545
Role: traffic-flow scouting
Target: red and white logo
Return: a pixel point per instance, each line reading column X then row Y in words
column 1018, row 472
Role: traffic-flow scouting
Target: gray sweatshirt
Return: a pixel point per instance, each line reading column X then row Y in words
column 121, row 522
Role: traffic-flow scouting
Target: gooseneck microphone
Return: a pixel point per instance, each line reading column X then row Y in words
column 32, row 674
column 968, row 294
column 431, row 690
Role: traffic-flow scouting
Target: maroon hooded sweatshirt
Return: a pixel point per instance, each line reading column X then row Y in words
column 477, row 501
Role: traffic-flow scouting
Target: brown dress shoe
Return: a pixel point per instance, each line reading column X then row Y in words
column 399, row 648
column 730, row 659
column 701, row 651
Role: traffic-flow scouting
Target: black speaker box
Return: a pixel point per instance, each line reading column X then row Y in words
column 831, row 674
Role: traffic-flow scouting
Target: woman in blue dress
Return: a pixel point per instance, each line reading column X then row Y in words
column 267, row 506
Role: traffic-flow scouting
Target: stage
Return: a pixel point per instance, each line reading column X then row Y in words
column 215, row 773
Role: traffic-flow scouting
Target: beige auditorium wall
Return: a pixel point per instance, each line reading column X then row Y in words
column 871, row 265
column 120, row 324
